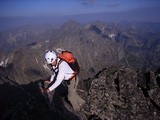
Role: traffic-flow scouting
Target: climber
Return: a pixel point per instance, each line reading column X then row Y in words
column 62, row 72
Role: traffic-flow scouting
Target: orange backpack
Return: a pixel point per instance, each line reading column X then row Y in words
column 71, row 60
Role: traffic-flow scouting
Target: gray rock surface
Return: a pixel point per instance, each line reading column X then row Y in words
column 120, row 93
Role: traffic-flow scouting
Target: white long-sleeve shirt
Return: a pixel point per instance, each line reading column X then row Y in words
column 65, row 73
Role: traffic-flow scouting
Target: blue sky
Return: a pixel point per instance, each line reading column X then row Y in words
column 30, row 8
column 22, row 12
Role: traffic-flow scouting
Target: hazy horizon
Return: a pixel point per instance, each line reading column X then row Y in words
column 21, row 12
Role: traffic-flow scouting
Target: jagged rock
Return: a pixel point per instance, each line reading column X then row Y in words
column 26, row 102
column 118, row 93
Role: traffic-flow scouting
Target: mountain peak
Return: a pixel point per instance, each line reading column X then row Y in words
column 71, row 25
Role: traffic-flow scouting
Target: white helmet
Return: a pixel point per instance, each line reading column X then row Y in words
column 50, row 56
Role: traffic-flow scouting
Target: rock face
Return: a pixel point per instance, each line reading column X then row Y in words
column 116, row 92
column 123, row 93
column 25, row 102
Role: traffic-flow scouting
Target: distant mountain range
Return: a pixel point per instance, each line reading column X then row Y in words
column 96, row 46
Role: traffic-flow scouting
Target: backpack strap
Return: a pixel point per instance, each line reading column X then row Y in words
column 55, row 70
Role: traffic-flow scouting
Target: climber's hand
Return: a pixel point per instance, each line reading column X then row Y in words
column 47, row 81
column 48, row 91
column 43, row 91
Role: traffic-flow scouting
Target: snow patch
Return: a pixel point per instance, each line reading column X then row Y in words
column 1, row 63
column 46, row 41
column 103, row 30
column 112, row 35
column 36, row 60
column 4, row 62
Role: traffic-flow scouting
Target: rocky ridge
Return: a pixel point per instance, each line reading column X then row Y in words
column 116, row 92
column 120, row 92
